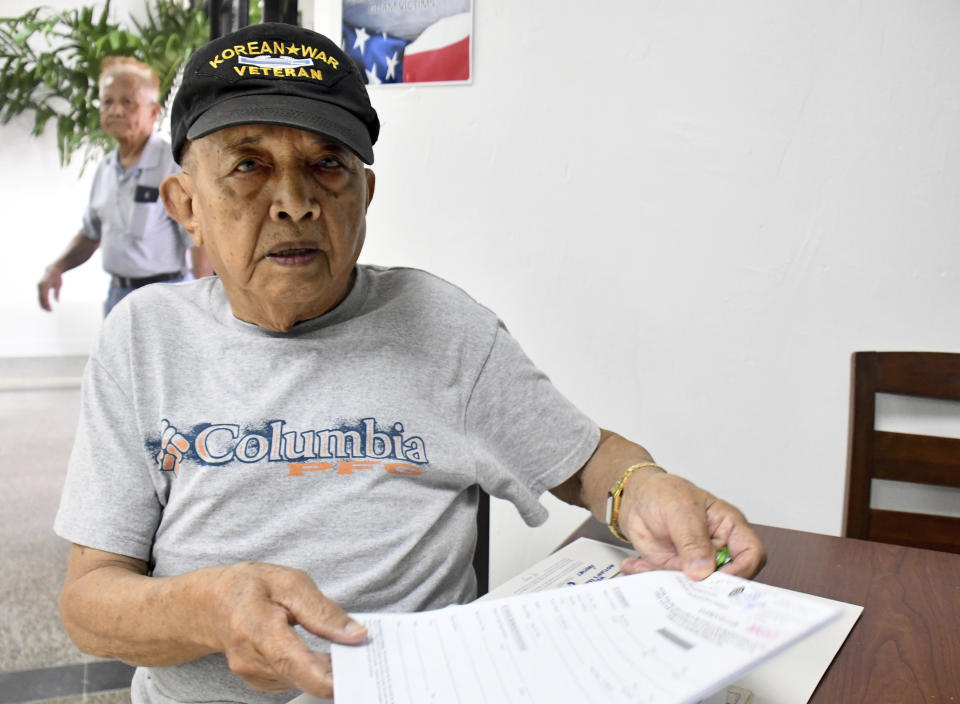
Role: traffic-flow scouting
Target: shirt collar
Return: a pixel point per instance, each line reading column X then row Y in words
column 149, row 158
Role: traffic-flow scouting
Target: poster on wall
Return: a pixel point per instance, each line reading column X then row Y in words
column 410, row 41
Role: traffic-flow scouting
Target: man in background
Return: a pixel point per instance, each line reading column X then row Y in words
column 125, row 217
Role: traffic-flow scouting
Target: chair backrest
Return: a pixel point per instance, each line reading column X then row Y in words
column 481, row 554
column 904, row 457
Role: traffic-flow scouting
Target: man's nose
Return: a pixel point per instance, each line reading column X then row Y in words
column 293, row 197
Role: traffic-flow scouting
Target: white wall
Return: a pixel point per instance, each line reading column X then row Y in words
column 689, row 213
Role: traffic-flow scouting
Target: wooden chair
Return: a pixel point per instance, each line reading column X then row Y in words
column 902, row 457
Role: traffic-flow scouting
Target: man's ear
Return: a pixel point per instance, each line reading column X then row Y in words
column 177, row 193
column 371, row 185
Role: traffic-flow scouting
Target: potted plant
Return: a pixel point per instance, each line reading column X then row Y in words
column 51, row 64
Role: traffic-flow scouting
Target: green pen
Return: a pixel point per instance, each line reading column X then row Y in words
column 723, row 556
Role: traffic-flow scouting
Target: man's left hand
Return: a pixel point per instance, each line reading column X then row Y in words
column 674, row 524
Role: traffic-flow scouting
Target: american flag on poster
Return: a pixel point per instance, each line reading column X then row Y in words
column 409, row 41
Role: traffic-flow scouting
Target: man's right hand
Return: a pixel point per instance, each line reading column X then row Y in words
column 52, row 280
column 78, row 251
column 247, row 611
column 258, row 606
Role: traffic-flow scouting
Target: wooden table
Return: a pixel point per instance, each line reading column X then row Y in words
column 905, row 649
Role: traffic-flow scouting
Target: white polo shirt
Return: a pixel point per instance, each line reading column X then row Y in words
column 126, row 215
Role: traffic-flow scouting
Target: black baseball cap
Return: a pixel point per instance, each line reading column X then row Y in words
column 274, row 74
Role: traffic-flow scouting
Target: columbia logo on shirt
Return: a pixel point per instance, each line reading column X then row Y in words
column 345, row 449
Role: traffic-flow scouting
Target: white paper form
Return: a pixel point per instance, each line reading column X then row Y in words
column 792, row 676
column 656, row 637
column 583, row 561
column 788, row 678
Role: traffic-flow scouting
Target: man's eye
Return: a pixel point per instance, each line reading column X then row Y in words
column 329, row 162
column 247, row 165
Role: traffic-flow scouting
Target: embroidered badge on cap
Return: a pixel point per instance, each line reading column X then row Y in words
column 275, row 60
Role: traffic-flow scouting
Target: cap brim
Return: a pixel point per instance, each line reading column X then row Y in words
column 308, row 114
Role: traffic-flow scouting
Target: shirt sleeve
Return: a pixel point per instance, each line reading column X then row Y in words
column 109, row 501
column 528, row 437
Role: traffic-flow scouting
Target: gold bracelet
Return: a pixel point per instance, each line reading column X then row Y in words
column 616, row 493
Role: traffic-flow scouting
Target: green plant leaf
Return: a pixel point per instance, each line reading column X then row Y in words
column 51, row 63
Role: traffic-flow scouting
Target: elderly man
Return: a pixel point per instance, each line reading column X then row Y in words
column 126, row 219
column 301, row 437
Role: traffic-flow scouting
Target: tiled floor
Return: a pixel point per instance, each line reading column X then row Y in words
column 39, row 401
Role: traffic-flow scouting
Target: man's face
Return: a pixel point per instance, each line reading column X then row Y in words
column 126, row 111
column 282, row 215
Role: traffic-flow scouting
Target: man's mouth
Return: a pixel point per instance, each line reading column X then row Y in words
column 293, row 256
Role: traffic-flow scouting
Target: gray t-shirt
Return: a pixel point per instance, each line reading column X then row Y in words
column 350, row 447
